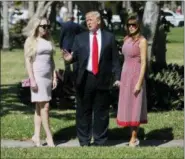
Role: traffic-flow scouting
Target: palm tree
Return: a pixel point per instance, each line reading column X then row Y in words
column 150, row 21
column 31, row 8
column 6, row 43
column 41, row 10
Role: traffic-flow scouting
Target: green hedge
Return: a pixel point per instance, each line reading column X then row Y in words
column 165, row 87
column 16, row 38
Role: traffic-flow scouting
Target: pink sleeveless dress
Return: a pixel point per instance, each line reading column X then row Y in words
column 43, row 70
column 132, row 110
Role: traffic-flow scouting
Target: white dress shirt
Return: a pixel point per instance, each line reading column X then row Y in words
column 98, row 36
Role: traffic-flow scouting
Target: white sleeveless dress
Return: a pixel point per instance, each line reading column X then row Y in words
column 43, row 70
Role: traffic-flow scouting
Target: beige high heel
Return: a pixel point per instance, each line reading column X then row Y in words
column 134, row 144
column 36, row 141
column 50, row 144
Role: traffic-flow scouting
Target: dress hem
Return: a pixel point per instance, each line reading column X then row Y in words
column 131, row 123
column 41, row 101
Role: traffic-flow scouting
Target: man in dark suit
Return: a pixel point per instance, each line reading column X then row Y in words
column 98, row 58
column 69, row 29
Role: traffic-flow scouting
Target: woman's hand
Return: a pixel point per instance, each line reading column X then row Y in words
column 54, row 83
column 137, row 89
column 34, row 86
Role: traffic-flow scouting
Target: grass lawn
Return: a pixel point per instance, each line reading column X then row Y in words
column 175, row 46
column 17, row 118
column 95, row 152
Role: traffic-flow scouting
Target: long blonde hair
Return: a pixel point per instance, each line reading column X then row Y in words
column 30, row 44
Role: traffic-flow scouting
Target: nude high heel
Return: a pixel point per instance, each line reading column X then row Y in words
column 36, row 141
column 50, row 144
column 134, row 144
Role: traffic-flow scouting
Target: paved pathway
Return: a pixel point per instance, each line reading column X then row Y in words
column 74, row 143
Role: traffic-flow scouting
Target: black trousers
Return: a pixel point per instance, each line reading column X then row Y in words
column 92, row 113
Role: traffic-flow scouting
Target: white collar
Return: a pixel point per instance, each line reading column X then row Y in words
column 97, row 32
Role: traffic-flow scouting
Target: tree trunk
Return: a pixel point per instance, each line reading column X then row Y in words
column 41, row 10
column 103, row 4
column 70, row 7
column 173, row 6
column 150, row 21
column 31, row 9
column 182, row 6
column 53, row 14
column 128, row 7
column 123, row 4
column 6, row 43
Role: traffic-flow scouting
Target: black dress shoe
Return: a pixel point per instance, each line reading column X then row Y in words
column 85, row 145
column 96, row 144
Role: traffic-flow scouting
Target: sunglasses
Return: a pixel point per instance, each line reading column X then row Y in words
column 45, row 26
column 134, row 25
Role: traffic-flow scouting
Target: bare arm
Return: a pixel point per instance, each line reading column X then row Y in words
column 54, row 76
column 53, row 67
column 143, row 50
column 29, row 68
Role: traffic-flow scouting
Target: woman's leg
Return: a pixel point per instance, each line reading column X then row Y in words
column 37, row 125
column 45, row 122
column 134, row 131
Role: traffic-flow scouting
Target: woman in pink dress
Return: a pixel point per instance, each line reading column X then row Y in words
column 38, row 51
column 132, row 106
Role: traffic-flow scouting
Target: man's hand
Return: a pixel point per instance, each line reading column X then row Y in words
column 116, row 84
column 66, row 55
column 54, row 83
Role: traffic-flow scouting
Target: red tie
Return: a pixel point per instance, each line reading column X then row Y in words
column 95, row 55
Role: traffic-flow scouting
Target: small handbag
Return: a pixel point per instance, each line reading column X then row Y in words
column 26, row 82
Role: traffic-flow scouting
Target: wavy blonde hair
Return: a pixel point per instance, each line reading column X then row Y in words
column 31, row 41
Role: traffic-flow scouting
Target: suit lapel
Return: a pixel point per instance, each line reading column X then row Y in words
column 87, row 46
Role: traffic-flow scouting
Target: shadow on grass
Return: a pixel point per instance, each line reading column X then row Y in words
column 64, row 135
column 124, row 133
column 118, row 136
column 154, row 138
column 14, row 98
column 158, row 137
column 160, row 134
column 64, row 116
column 11, row 102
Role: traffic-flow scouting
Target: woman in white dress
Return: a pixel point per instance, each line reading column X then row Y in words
column 38, row 52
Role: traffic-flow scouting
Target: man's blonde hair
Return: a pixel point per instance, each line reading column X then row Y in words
column 94, row 13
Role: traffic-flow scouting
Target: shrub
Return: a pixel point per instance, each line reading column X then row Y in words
column 16, row 37
column 165, row 87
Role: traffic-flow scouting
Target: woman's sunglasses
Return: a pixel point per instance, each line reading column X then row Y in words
column 45, row 26
column 134, row 25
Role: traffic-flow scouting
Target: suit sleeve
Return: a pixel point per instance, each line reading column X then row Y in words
column 116, row 68
column 75, row 49
column 82, row 28
column 62, row 36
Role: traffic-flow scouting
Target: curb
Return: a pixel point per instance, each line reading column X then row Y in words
column 75, row 143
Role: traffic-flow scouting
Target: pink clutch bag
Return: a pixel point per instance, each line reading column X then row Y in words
column 26, row 82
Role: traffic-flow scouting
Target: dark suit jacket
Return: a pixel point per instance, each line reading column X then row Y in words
column 68, row 32
column 109, row 59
